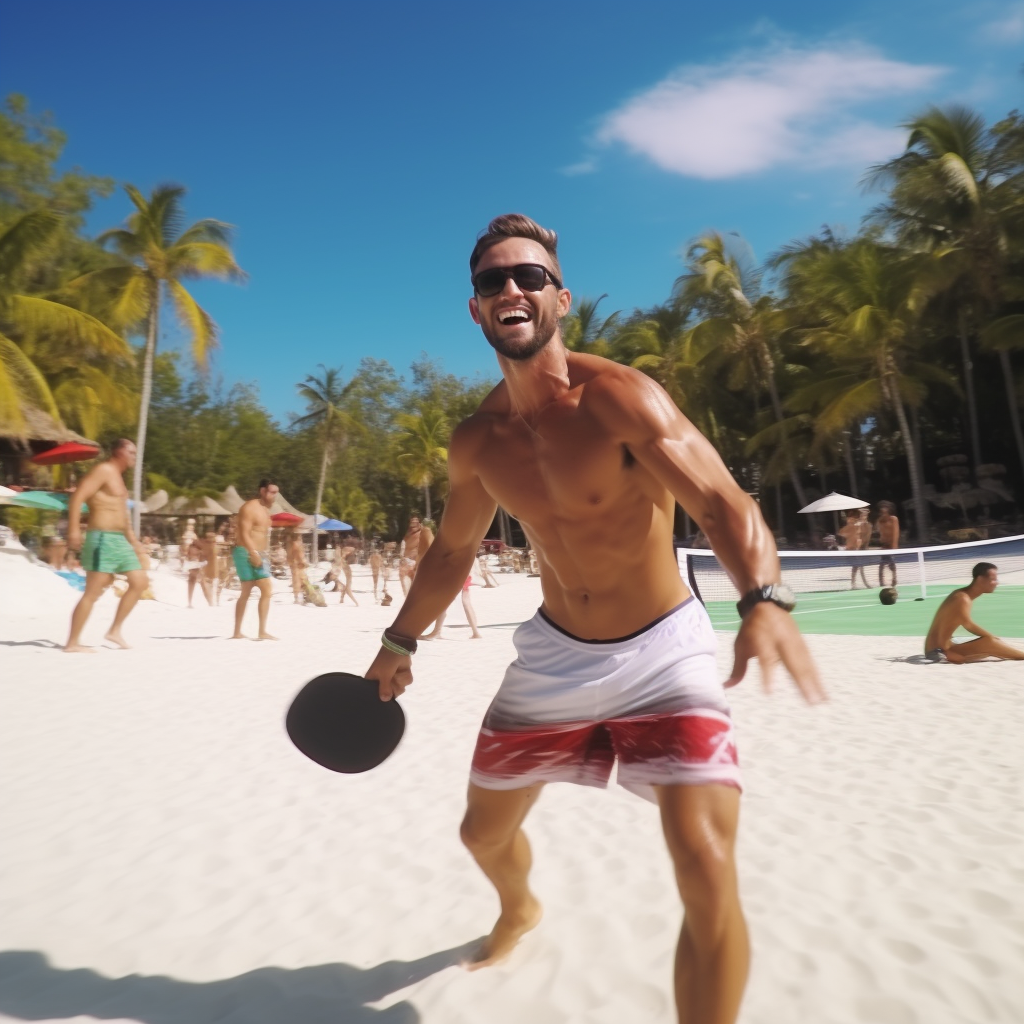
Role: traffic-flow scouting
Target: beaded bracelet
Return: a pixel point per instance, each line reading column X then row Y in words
column 394, row 643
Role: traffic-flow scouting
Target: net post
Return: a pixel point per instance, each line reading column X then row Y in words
column 920, row 566
column 692, row 578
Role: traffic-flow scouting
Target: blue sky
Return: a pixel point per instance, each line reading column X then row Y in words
column 360, row 148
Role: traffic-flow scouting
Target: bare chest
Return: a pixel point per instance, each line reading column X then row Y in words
column 569, row 467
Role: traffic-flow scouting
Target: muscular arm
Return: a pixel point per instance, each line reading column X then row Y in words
column 245, row 525
column 87, row 487
column 468, row 513
column 443, row 569
column 680, row 458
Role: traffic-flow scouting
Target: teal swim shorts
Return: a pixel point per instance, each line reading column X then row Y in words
column 247, row 572
column 108, row 551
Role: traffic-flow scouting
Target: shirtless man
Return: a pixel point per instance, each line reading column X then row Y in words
column 418, row 539
column 888, row 527
column 620, row 659
column 252, row 562
column 955, row 611
column 853, row 531
column 110, row 545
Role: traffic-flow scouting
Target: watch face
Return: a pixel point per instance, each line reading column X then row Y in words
column 782, row 595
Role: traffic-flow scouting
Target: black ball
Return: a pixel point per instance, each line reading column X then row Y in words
column 888, row 595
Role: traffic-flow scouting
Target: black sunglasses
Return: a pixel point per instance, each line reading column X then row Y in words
column 530, row 277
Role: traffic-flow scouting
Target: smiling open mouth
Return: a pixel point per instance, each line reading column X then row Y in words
column 511, row 317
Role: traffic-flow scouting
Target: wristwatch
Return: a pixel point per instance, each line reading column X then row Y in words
column 777, row 593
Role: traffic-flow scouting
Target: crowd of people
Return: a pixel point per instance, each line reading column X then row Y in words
column 247, row 553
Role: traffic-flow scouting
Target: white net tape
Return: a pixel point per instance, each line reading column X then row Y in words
column 822, row 571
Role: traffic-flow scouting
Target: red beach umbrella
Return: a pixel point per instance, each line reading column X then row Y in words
column 286, row 519
column 70, row 451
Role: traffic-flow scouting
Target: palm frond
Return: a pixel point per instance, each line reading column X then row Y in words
column 196, row 321
column 190, row 260
column 21, row 384
column 32, row 317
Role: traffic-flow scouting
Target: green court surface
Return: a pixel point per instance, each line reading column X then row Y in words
column 860, row 613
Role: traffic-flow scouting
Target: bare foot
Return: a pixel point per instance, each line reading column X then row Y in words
column 116, row 638
column 238, row 636
column 431, row 636
column 506, row 934
column 266, row 636
column 477, row 636
column 78, row 649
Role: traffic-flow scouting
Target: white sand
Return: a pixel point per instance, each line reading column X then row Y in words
column 166, row 857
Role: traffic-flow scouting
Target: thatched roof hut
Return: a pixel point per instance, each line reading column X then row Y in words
column 40, row 433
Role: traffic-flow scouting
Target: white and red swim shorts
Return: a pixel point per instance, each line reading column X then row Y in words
column 568, row 709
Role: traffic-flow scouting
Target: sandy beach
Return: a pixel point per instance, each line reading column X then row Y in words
column 169, row 858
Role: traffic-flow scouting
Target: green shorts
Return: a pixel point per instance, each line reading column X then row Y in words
column 108, row 551
column 247, row 572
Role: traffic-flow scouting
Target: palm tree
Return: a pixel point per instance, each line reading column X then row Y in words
column 422, row 447
column 859, row 296
column 156, row 256
column 326, row 396
column 53, row 357
column 742, row 323
column 952, row 196
column 584, row 331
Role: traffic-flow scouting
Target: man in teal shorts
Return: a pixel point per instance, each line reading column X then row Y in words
column 110, row 546
column 251, row 558
column 247, row 572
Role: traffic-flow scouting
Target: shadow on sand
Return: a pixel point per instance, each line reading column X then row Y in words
column 31, row 643
column 31, row 989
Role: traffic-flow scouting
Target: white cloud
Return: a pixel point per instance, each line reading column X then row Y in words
column 1006, row 30
column 752, row 113
column 583, row 167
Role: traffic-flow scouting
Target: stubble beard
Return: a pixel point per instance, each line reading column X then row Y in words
column 544, row 329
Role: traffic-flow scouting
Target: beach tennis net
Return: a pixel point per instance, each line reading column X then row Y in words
column 824, row 571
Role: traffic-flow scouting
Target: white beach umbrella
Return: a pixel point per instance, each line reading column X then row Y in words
column 6, row 492
column 835, row 503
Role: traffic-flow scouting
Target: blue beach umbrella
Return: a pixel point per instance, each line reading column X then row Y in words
column 332, row 525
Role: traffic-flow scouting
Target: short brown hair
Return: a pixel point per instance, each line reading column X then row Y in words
column 515, row 225
column 981, row 569
column 121, row 442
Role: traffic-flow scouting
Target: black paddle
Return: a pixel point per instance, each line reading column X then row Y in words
column 339, row 721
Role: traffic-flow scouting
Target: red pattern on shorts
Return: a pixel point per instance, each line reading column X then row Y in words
column 668, row 747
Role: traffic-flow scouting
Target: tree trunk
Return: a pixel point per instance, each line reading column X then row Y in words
column 921, row 518
column 426, row 499
column 1011, row 401
column 773, row 391
column 848, row 457
column 972, row 405
column 152, row 330
column 314, row 547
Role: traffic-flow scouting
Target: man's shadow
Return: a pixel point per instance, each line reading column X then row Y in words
column 31, row 989
column 52, row 644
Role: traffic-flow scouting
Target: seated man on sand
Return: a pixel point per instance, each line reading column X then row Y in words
column 955, row 611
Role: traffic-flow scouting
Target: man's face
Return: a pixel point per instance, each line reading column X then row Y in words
column 519, row 336
column 415, row 525
column 268, row 494
column 989, row 581
column 128, row 454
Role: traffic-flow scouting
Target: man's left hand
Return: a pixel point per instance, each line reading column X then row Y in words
column 769, row 634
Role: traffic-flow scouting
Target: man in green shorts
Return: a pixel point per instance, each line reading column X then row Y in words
column 251, row 556
column 110, row 546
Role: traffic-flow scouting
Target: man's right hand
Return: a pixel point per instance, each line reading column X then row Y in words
column 75, row 540
column 254, row 559
column 393, row 673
